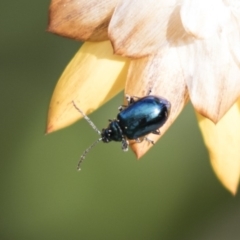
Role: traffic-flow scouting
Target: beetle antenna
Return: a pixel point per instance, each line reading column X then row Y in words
column 85, row 153
column 87, row 118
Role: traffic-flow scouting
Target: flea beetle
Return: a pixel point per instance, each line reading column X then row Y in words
column 135, row 120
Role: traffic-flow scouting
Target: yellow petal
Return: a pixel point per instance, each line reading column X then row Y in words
column 223, row 143
column 92, row 77
column 81, row 19
column 162, row 74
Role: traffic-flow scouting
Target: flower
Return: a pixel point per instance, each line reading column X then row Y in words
column 180, row 49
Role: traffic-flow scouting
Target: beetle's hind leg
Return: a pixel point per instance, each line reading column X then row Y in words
column 139, row 140
column 157, row 132
column 149, row 140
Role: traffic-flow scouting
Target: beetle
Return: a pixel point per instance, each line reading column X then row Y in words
column 135, row 120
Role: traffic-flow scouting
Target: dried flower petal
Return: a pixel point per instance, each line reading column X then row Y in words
column 212, row 76
column 81, row 19
column 204, row 18
column 140, row 27
column 93, row 77
column 162, row 74
column 223, row 141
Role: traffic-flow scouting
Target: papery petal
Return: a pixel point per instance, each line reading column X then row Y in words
column 204, row 18
column 223, row 141
column 81, row 19
column 92, row 77
column 162, row 74
column 140, row 27
column 212, row 76
column 233, row 29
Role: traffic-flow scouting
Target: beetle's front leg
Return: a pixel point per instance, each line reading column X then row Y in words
column 122, row 107
column 129, row 99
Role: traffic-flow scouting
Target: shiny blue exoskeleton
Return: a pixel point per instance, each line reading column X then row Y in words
column 136, row 120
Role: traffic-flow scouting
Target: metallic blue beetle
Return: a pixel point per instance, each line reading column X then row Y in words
column 140, row 117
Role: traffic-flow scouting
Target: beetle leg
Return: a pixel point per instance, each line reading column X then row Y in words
column 124, row 144
column 157, row 132
column 138, row 140
column 130, row 99
column 149, row 140
column 122, row 107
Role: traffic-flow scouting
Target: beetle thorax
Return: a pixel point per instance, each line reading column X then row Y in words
column 112, row 133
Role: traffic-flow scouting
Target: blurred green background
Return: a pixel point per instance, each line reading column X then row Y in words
column 171, row 193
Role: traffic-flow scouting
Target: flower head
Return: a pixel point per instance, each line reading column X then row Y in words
column 180, row 49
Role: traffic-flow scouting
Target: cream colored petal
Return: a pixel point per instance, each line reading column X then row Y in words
column 233, row 30
column 204, row 18
column 223, row 141
column 207, row 18
column 92, row 77
column 212, row 66
column 162, row 74
column 139, row 27
column 81, row 19
column 212, row 76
